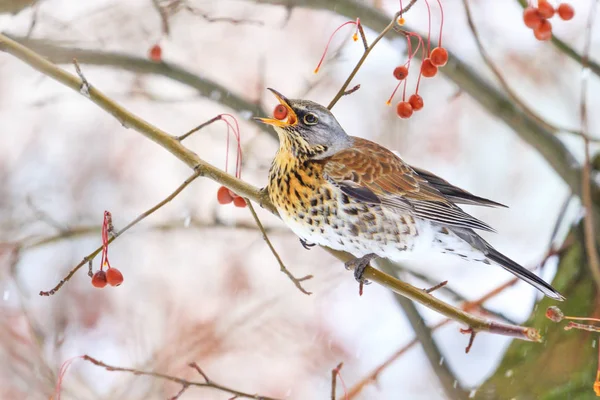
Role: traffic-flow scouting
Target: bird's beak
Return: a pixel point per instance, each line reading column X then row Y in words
column 291, row 117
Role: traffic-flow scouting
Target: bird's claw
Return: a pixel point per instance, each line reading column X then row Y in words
column 359, row 265
column 306, row 245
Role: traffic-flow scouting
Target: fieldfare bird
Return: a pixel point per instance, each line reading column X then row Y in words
column 354, row 195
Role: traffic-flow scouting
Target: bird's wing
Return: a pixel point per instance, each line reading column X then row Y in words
column 453, row 193
column 368, row 172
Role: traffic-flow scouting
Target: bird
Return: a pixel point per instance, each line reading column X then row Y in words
column 354, row 195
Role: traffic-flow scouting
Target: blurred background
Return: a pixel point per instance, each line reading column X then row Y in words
column 200, row 283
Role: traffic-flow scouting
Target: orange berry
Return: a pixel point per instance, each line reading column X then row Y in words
column 239, row 202
column 400, row 72
column 280, row 112
column 545, row 9
column 428, row 69
column 404, row 109
column 416, row 102
column 544, row 31
column 565, row 11
column 224, row 195
column 155, row 53
column 439, row 56
column 99, row 279
column 532, row 17
column 114, row 277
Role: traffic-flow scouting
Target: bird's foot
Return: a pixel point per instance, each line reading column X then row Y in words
column 307, row 245
column 359, row 265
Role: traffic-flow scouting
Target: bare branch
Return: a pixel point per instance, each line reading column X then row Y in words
column 88, row 259
column 297, row 281
column 184, row 382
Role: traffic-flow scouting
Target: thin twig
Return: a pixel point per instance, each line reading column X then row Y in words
column 297, row 281
column 202, row 125
column 368, row 50
column 88, row 259
column 334, row 374
column 472, row 333
column 350, row 91
column 586, row 191
column 436, row 287
column 360, row 62
column 361, row 32
column 184, row 382
column 505, row 85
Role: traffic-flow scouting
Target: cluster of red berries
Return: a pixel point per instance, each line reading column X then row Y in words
column 112, row 276
column 432, row 60
column 226, row 196
column 536, row 18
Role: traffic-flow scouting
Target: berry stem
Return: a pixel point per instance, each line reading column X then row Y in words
column 428, row 27
column 441, row 23
column 329, row 42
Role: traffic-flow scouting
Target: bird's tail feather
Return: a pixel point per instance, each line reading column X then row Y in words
column 522, row 273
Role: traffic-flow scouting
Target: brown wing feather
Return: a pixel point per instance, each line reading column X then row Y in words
column 368, row 172
column 454, row 193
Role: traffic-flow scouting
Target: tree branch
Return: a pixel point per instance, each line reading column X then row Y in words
column 202, row 168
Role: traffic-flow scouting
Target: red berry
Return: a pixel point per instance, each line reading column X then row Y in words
column 400, row 72
column 280, row 112
column 565, row 11
column 224, row 195
column 428, row 69
column 404, row 109
column 439, row 56
column 239, row 202
column 532, row 17
column 544, row 31
column 155, row 53
column 114, row 277
column 99, row 279
column 545, row 9
column 416, row 102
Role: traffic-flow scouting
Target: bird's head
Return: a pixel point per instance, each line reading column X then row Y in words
column 306, row 128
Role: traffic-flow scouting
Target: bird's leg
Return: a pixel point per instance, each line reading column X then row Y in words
column 306, row 245
column 359, row 265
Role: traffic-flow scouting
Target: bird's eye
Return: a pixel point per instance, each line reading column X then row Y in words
column 310, row 119
column 280, row 112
